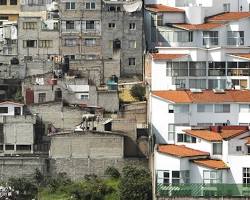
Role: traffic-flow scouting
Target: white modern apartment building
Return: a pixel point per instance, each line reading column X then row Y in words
column 198, row 44
column 201, row 137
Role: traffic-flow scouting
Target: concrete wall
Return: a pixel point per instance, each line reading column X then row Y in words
column 60, row 117
column 109, row 100
column 87, row 145
column 21, row 166
column 76, row 169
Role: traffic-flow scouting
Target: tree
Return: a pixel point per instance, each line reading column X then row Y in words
column 138, row 92
column 112, row 172
column 135, row 184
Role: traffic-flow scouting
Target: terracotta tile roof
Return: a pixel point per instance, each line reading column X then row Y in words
column 248, row 140
column 242, row 55
column 206, row 96
column 180, row 151
column 159, row 56
column 210, row 163
column 163, row 8
column 230, row 16
column 205, row 26
column 205, row 134
column 218, row 133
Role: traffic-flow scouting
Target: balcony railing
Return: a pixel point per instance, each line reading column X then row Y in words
column 203, row 190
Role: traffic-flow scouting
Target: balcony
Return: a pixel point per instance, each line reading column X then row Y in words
column 202, row 190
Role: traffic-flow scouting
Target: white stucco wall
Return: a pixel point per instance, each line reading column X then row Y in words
column 11, row 109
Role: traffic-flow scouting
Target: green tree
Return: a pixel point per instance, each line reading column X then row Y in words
column 135, row 184
column 112, row 172
column 138, row 91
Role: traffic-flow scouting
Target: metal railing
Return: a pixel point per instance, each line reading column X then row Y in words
column 203, row 190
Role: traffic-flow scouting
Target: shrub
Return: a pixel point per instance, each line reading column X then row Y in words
column 135, row 184
column 112, row 172
column 138, row 92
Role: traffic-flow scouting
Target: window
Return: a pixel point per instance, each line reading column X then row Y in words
column 217, row 148
column 132, row 44
column 3, row 2
column 248, row 150
column 216, row 84
column 170, row 108
column 29, row 25
column 171, row 132
column 90, row 24
column 70, row 42
column 90, row 42
column 9, row 147
column 245, row 108
column 235, row 37
column 212, row 177
column 181, row 108
column 111, row 25
column 177, row 69
column 197, row 83
column 217, row 69
column 222, row 108
column 70, row 25
column 90, row 5
column 84, row 96
column 132, row 26
column 45, row 43
column 185, row 176
column 189, row 139
column 197, row 69
column 23, row 147
column 180, row 137
column 204, row 108
column 210, row 38
column 176, row 177
column 41, row 97
column 226, row 7
column 163, row 177
column 13, row 2
column 246, row 175
column 175, row 36
column 70, row 5
column 29, row 43
column 238, row 148
column 131, row 61
column 4, row 110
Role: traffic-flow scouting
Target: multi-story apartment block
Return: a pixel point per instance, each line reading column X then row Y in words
column 80, row 35
column 200, row 44
column 122, row 38
column 9, row 10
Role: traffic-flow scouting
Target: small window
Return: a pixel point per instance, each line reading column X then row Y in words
column 45, row 43
column 41, row 97
column 217, row 148
column 29, row 25
column 70, row 5
column 90, row 24
column 131, row 61
column 3, row 2
column 70, row 25
column 222, row 108
column 132, row 44
column 13, row 2
column 226, row 7
column 90, row 6
column 238, row 148
column 132, row 26
column 29, row 43
column 180, row 137
column 111, row 25
column 70, row 42
column 3, row 109
column 90, row 42
column 175, row 177
column 9, row 147
column 246, row 175
column 170, row 108
column 23, row 147
column 1, row 147
column 84, row 96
